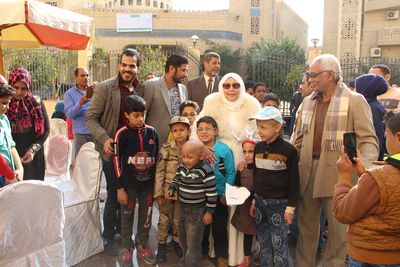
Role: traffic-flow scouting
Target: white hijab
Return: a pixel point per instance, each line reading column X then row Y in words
column 232, row 105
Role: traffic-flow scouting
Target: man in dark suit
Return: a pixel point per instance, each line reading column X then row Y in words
column 164, row 95
column 202, row 86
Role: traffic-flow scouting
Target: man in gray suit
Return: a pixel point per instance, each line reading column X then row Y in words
column 104, row 117
column 202, row 86
column 164, row 95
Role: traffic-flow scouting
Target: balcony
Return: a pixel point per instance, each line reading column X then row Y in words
column 389, row 36
column 371, row 5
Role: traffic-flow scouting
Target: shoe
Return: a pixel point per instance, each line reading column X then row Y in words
column 222, row 262
column 145, row 255
column 161, row 253
column 243, row 264
column 110, row 248
column 177, row 248
column 126, row 258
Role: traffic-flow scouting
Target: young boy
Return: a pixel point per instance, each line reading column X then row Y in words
column 137, row 149
column 225, row 172
column 276, row 183
column 195, row 183
column 167, row 163
column 8, row 152
column 190, row 110
column 371, row 208
column 270, row 100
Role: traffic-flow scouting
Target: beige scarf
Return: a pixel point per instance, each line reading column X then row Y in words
column 336, row 116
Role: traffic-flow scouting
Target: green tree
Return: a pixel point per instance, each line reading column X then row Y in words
column 153, row 60
column 278, row 64
column 47, row 67
column 229, row 58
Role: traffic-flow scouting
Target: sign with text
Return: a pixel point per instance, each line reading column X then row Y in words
column 134, row 22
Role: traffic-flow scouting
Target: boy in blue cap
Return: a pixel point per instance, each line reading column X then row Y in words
column 276, row 186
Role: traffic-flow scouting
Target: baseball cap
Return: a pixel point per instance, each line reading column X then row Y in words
column 179, row 119
column 268, row 113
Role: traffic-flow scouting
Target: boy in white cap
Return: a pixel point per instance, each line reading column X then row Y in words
column 276, row 182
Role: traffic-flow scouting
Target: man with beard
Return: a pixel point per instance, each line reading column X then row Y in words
column 202, row 86
column 163, row 95
column 104, row 117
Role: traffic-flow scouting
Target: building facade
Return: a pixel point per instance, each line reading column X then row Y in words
column 245, row 22
column 356, row 29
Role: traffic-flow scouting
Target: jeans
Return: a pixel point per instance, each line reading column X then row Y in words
column 144, row 195
column 80, row 140
column 191, row 229
column 272, row 232
column 356, row 263
column 219, row 232
column 112, row 212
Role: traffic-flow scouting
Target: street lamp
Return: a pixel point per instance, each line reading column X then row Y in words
column 195, row 39
column 315, row 42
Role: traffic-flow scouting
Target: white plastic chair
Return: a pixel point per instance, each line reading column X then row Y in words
column 82, row 232
column 31, row 225
column 58, row 158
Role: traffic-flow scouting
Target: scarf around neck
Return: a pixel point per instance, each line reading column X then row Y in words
column 26, row 112
column 336, row 116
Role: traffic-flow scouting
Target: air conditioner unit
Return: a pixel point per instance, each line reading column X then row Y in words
column 393, row 14
column 376, row 52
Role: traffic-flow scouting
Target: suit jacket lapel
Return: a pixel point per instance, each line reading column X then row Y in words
column 164, row 93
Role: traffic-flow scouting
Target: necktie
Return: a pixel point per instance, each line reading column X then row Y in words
column 209, row 86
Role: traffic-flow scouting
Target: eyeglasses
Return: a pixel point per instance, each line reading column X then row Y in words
column 229, row 85
column 314, row 75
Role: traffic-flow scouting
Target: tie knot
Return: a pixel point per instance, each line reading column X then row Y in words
column 210, row 79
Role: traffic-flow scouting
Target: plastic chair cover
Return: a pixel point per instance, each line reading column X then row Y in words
column 31, row 225
column 58, row 158
column 82, row 232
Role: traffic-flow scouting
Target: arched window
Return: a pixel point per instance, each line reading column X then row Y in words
column 130, row 2
column 155, row 4
column 122, row 2
column 139, row 2
column 161, row 5
column 147, row 2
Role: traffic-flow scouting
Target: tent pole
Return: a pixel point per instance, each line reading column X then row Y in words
column 1, row 61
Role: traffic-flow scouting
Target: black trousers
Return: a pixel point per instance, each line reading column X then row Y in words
column 219, row 232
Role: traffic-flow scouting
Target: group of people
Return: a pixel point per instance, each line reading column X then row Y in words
column 181, row 145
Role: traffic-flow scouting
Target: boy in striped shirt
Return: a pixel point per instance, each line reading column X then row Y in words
column 195, row 182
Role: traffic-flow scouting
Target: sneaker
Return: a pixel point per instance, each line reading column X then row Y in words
column 145, row 255
column 177, row 248
column 126, row 258
column 110, row 248
column 161, row 253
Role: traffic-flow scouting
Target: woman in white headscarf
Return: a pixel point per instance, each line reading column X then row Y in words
column 231, row 107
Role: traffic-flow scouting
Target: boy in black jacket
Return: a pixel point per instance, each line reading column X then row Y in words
column 135, row 164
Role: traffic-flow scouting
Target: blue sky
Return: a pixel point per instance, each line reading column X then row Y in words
column 310, row 10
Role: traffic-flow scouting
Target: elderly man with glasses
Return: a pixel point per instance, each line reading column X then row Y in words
column 325, row 115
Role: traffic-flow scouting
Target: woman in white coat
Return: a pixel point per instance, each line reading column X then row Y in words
column 231, row 108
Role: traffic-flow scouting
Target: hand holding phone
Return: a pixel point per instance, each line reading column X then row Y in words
column 89, row 91
column 350, row 147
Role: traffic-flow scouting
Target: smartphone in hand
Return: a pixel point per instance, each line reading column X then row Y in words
column 89, row 91
column 349, row 141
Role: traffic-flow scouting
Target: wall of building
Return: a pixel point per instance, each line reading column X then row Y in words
column 376, row 29
column 288, row 18
column 331, row 10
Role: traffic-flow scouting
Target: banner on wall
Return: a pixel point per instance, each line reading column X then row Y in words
column 134, row 22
